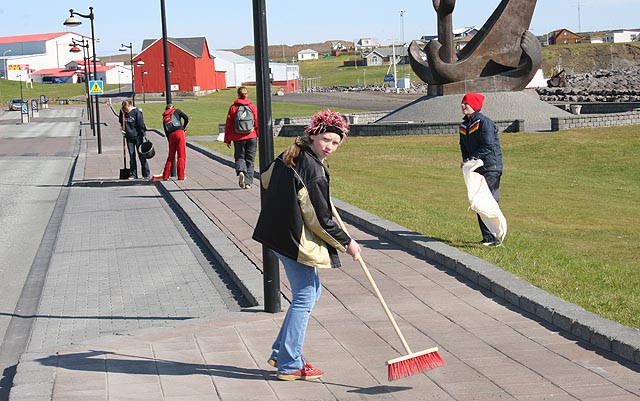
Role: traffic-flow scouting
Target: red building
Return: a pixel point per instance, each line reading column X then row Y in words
column 191, row 67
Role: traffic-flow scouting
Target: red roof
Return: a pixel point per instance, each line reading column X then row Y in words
column 57, row 72
column 35, row 37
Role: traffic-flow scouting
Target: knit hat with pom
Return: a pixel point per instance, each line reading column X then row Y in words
column 328, row 121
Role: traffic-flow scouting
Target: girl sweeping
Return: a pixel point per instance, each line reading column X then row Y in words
column 300, row 224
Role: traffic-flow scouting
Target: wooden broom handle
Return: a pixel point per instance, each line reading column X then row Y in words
column 378, row 294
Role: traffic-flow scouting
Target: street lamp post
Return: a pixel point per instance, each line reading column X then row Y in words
column 402, row 34
column 402, row 25
column 73, row 21
column 6, row 65
column 124, row 48
column 144, row 99
column 85, row 61
column 21, row 97
column 165, row 49
column 140, row 64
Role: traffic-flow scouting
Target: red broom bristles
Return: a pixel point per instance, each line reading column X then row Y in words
column 414, row 363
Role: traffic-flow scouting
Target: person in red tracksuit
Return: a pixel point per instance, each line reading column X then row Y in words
column 244, row 143
column 175, row 123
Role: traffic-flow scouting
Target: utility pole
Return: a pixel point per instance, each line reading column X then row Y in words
column 579, row 26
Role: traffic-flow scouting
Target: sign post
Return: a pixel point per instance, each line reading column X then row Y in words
column 24, row 112
column 34, row 108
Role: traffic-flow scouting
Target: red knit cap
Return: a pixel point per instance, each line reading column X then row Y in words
column 474, row 100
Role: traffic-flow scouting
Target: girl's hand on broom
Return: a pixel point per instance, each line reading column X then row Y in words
column 354, row 249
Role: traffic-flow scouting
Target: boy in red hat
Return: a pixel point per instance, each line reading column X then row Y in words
column 479, row 140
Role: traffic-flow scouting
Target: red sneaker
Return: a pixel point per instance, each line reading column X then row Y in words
column 306, row 373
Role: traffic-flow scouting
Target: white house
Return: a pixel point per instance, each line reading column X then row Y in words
column 285, row 76
column 621, row 36
column 22, row 55
column 307, row 54
column 238, row 69
column 366, row 43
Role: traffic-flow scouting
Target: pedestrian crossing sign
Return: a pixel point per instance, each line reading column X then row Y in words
column 96, row 87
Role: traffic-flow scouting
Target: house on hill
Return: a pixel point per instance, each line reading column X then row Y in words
column 307, row 54
column 365, row 44
column 384, row 55
column 565, row 37
column 192, row 69
column 338, row 46
column 621, row 36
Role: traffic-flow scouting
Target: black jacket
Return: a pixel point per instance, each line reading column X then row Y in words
column 479, row 140
column 298, row 219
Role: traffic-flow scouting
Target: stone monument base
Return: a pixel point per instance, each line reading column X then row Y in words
column 523, row 105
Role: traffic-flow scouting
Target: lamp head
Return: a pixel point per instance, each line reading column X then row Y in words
column 72, row 20
column 75, row 49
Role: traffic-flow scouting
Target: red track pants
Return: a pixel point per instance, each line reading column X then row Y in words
column 177, row 143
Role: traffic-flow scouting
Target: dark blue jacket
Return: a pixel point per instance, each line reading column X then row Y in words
column 479, row 140
column 134, row 126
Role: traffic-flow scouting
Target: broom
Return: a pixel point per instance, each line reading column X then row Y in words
column 413, row 362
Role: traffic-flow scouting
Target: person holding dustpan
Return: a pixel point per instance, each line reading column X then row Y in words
column 300, row 224
column 133, row 129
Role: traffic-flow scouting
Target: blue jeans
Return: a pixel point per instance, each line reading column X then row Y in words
column 132, row 147
column 305, row 291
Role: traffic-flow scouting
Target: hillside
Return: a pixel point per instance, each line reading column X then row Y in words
column 288, row 53
column 583, row 58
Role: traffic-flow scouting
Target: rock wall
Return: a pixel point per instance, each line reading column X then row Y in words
column 614, row 85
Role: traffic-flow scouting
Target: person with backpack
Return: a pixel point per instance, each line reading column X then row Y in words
column 133, row 129
column 175, row 122
column 241, row 129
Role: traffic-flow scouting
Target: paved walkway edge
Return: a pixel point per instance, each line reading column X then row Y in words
column 242, row 271
column 603, row 333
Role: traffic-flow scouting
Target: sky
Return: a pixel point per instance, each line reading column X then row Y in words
column 229, row 24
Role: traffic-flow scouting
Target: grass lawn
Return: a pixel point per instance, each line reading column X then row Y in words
column 569, row 198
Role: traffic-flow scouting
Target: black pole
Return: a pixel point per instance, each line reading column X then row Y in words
column 167, row 71
column 85, row 59
column 95, row 73
column 133, row 82
column 165, row 46
column 271, row 275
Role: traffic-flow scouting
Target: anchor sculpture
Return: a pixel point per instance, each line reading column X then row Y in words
column 503, row 56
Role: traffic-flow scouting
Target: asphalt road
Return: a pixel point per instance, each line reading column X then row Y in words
column 34, row 162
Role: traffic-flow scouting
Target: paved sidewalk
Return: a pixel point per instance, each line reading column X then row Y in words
column 493, row 330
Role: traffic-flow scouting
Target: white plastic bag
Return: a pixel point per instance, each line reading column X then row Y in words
column 481, row 201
